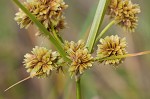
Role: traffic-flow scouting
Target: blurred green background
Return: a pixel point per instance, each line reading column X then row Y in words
column 130, row 81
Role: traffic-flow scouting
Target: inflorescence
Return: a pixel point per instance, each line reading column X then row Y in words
column 48, row 12
column 112, row 46
column 41, row 61
column 125, row 13
column 80, row 57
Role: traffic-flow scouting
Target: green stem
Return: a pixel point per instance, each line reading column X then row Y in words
column 56, row 36
column 122, row 56
column 105, row 29
column 78, row 89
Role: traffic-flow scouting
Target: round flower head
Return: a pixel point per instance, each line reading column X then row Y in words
column 48, row 12
column 59, row 62
column 40, row 62
column 81, row 59
column 74, row 46
column 111, row 46
column 125, row 13
column 22, row 19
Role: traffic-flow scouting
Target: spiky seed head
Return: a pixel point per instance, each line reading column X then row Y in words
column 40, row 61
column 59, row 62
column 22, row 19
column 80, row 57
column 74, row 46
column 125, row 13
column 48, row 12
column 112, row 46
column 81, row 60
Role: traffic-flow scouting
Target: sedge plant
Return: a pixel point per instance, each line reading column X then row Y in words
column 76, row 57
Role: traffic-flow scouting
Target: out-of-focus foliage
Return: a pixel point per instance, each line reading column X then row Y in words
column 129, row 81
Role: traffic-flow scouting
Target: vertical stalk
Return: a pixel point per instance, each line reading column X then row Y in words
column 78, row 89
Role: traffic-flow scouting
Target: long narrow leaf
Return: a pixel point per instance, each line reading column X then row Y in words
column 98, row 18
column 43, row 30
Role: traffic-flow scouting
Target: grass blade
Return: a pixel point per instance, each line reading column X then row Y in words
column 96, row 23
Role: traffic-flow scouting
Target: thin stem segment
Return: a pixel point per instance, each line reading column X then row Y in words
column 31, row 76
column 78, row 89
column 55, row 35
column 17, row 83
column 104, row 30
column 122, row 56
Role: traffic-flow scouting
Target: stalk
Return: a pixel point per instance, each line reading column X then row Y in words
column 56, row 35
column 122, row 56
column 78, row 89
column 104, row 30
column 31, row 76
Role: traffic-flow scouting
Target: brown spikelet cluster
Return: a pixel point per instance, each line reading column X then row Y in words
column 74, row 46
column 111, row 46
column 48, row 12
column 125, row 13
column 41, row 61
column 80, row 57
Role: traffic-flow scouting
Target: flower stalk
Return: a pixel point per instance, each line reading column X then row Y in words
column 105, row 30
column 78, row 89
column 56, row 35
column 122, row 56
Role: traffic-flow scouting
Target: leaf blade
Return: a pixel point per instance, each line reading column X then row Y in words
column 98, row 18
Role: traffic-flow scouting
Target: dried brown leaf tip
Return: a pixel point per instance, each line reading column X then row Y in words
column 125, row 13
column 80, row 57
column 48, row 12
column 41, row 61
column 111, row 46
